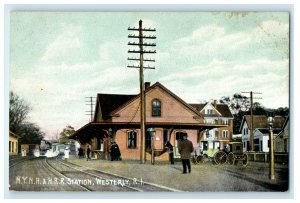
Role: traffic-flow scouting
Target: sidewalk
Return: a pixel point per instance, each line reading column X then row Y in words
column 205, row 177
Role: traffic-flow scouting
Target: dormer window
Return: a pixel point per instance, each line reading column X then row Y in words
column 156, row 107
column 209, row 111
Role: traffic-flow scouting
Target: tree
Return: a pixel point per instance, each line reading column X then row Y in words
column 29, row 133
column 66, row 133
column 236, row 103
column 258, row 109
column 18, row 112
column 282, row 111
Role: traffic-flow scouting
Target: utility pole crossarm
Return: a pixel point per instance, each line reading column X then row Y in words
column 143, row 29
column 144, row 44
column 142, row 52
column 145, row 67
column 142, row 36
column 253, row 92
column 137, row 59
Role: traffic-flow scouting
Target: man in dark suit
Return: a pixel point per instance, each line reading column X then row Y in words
column 170, row 151
column 115, row 153
column 185, row 148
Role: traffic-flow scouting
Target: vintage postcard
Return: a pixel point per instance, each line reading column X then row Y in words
column 149, row 101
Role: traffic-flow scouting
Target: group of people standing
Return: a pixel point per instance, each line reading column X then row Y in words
column 115, row 153
column 185, row 148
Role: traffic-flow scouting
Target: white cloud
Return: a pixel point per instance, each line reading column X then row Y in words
column 203, row 34
column 218, row 63
column 211, row 41
column 66, row 42
column 223, row 78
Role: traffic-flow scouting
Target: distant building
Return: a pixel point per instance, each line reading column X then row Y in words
column 281, row 141
column 168, row 118
column 13, row 143
column 214, row 113
column 260, row 132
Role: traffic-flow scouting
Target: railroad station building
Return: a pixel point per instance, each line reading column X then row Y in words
column 13, row 143
column 168, row 118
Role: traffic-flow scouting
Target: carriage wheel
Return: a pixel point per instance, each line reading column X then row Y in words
column 230, row 158
column 220, row 157
column 245, row 159
column 200, row 159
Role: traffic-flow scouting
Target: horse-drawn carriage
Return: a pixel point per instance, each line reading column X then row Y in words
column 232, row 154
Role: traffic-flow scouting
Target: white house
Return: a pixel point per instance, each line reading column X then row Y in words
column 261, row 139
column 260, row 131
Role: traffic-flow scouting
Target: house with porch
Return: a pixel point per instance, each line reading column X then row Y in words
column 260, row 131
column 168, row 118
column 13, row 144
column 214, row 113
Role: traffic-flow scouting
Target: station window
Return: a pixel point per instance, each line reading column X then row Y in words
column 156, row 107
column 131, row 139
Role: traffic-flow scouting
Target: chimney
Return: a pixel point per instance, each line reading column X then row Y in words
column 215, row 103
column 147, row 85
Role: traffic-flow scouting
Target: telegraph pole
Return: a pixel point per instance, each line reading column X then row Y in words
column 251, row 117
column 91, row 102
column 141, row 44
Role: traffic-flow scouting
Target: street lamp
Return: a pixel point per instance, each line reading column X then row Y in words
column 271, row 147
column 152, row 134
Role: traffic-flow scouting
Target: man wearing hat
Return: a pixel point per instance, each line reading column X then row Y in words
column 185, row 149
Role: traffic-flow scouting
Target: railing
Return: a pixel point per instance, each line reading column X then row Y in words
column 280, row 157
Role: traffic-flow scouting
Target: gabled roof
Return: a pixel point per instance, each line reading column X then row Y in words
column 223, row 109
column 110, row 102
column 198, row 107
column 285, row 122
column 157, row 84
column 13, row 134
column 284, row 125
column 266, row 131
column 262, row 121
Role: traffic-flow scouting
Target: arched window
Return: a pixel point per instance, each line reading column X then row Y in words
column 156, row 107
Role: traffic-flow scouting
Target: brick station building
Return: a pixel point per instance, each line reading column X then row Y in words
column 117, row 118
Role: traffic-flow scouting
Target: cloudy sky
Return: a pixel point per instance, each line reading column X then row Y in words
column 58, row 59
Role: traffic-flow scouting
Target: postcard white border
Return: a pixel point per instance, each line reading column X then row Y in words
column 132, row 8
